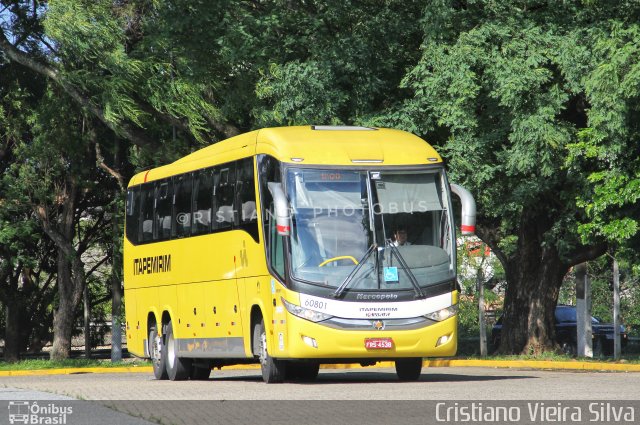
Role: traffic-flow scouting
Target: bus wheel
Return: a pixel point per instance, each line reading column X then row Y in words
column 304, row 371
column 409, row 369
column 156, row 347
column 272, row 370
column 200, row 373
column 178, row 368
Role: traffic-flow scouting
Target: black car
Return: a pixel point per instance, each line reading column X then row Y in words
column 567, row 333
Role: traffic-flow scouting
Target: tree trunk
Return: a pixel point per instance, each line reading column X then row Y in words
column 64, row 314
column 534, row 274
column 71, row 274
column 12, row 332
column 63, row 323
column 530, row 301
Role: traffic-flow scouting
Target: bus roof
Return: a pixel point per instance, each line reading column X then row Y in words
column 317, row 145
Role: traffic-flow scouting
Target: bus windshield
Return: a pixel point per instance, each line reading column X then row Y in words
column 396, row 223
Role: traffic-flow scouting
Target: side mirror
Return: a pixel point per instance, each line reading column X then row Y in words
column 281, row 206
column 468, row 216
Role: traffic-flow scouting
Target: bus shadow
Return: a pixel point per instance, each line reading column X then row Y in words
column 349, row 377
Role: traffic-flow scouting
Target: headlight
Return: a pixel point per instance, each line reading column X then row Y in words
column 443, row 314
column 305, row 313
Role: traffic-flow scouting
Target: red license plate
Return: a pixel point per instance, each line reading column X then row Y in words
column 378, row 343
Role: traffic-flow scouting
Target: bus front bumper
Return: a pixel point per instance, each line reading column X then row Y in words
column 309, row 340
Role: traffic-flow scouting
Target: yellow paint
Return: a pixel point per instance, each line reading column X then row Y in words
column 502, row 364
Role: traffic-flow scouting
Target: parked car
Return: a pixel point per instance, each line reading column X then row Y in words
column 567, row 332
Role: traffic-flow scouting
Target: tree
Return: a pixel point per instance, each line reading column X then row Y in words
column 534, row 104
column 507, row 88
column 51, row 177
column 27, row 272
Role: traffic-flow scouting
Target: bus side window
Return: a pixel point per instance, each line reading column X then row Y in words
column 225, row 178
column 146, row 212
column 133, row 214
column 246, row 191
column 163, row 210
column 182, row 205
column 202, row 201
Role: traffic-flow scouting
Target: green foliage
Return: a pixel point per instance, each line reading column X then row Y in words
column 534, row 105
column 541, row 100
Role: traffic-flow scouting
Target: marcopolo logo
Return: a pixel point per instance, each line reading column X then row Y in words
column 25, row 412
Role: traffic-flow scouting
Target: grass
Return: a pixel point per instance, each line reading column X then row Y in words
column 550, row 356
column 67, row 364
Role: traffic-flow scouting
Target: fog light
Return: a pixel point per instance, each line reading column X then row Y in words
column 443, row 340
column 311, row 342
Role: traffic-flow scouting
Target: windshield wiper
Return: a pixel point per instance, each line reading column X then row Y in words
column 338, row 292
column 405, row 266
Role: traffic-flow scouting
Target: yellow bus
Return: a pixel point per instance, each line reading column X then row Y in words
column 294, row 247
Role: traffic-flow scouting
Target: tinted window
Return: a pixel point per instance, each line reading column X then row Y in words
column 146, row 212
column 132, row 217
column 224, row 183
column 202, row 202
column 182, row 205
column 247, row 198
column 164, row 201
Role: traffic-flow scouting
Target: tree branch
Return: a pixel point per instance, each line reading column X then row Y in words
column 97, row 266
column 489, row 235
column 101, row 164
column 134, row 135
column 588, row 253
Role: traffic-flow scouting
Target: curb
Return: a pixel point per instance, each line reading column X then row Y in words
column 502, row 364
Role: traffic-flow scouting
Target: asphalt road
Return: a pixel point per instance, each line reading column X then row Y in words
column 368, row 395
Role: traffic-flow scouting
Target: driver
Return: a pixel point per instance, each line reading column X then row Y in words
column 400, row 237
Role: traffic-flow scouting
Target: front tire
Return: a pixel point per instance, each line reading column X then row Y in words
column 273, row 370
column 158, row 361
column 178, row 368
column 409, row 369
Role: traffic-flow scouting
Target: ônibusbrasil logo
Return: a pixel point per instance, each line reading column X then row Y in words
column 31, row 413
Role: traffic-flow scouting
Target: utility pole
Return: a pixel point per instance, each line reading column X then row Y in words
column 481, row 309
column 116, row 274
column 583, row 307
column 617, row 347
column 87, row 322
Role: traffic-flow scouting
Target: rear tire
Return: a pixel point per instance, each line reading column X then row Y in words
column 303, row 371
column 158, row 361
column 273, row 370
column 178, row 368
column 409, row 369
column 200, row 373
